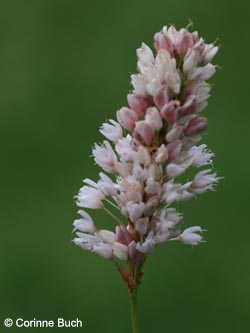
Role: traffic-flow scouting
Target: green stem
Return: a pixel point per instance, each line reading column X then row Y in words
column 134, row 311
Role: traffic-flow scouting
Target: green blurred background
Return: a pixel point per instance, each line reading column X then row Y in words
column 65, row 69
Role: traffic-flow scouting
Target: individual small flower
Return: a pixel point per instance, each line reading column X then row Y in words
column 112, row 131
column 138, row 104
column 86, row 241
column 190, row 61
column 105, row 157
column 153, row 118
column 170, row 111
column 106, row 185
column 166, row 40
column 145, row 58
column 162, row 97
column 127, row 118
column 173, row 79
column 191, row 236
column 123, row 235
column 184, row 41
column 196, row 125
column 204, row 181
column 143, row 131
column 209, row 52
column 139, row 83
column 90, row 197
column 201, row 156
column 85, row 224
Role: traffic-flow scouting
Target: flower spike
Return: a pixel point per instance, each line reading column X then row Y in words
column 153, row 141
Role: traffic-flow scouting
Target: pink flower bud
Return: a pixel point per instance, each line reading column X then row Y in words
column 153, row 118
column 162, row 97
column 143, row 131
column 191, row 60
column 195, row 36
column 209, row 52
column 138, row 103
column 170, row 111
column 174, row 149
column 196, row 125
column 184, row 41
column 161, row 41
column 126, row 118
column 123, row 235
column 189, row 106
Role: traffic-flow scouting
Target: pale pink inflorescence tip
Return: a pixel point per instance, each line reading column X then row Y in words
column 153, row 142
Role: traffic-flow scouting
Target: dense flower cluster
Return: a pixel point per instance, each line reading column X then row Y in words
column 151, row 144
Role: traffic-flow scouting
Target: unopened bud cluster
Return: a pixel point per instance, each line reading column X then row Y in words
column 153, row 142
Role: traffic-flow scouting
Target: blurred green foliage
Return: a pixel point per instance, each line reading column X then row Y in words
column 65, row 69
